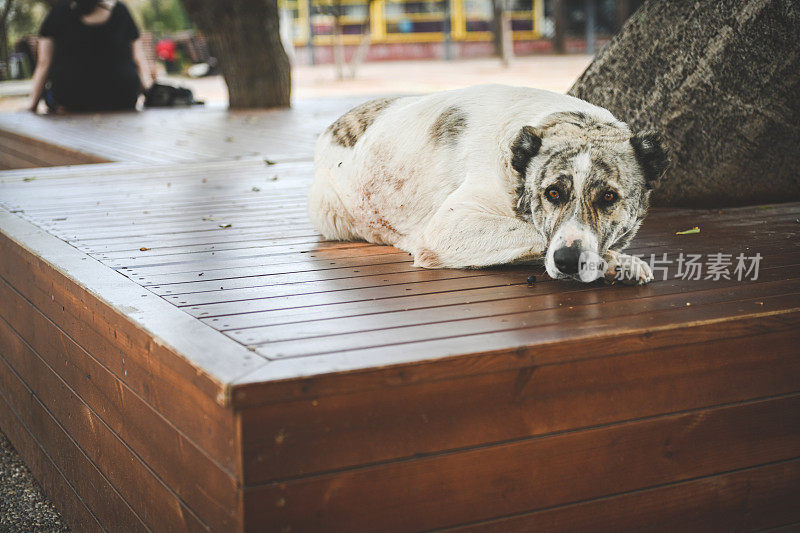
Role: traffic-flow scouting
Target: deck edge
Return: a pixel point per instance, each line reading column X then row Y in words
column 192, row 342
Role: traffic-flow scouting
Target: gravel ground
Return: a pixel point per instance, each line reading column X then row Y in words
column 23, row 505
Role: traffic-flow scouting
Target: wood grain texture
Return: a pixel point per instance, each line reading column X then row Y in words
column 54, row 482
column 187, row 352
column 18, row 151
column 49, row 360
column 130, row 476
column 89, row 482
column 418, row 419
column 513, row 477
column 751, row 499
column 187, row 134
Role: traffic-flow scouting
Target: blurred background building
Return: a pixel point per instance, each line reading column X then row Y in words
column 324, row 31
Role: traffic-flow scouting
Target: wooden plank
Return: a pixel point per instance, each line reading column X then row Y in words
column 311, row 378
column 90, row 483
column 146, row 493
column 178, row 135
column 55, row 485
column 47, row 153
column 11, row 159
column 794, row 527
column 132, row 317
column 581, row 303
column 373, row 294
column 460, row 338
column 402, row 422
column 307, row 265
column 495, row 481
column 752, row 499
column 299, row 340
column 152, row 369
column 418, row 307
column 201, row 482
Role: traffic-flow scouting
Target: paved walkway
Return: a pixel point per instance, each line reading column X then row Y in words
column 555, row 73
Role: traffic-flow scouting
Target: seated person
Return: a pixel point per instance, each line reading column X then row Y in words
column 90, row 58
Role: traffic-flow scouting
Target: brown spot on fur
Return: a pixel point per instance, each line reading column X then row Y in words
column 426, row 258
column 580, row 126
column 349, row 128
column 448, row 126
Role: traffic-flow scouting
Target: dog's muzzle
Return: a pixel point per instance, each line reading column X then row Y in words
column 567, row 258
column 574, row 262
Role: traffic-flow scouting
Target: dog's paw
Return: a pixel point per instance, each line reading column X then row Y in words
column 628, row 269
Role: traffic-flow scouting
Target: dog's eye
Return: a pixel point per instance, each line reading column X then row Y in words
column 609, row 197
column 552, row 194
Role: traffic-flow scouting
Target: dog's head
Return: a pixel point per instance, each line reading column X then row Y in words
column 585, row 184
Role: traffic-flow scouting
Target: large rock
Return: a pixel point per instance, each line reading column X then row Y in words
column 721, row 81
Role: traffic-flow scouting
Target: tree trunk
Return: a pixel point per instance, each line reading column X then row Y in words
column 720, row 80
column 506, row 36
column 622, row 13
column 4, row 50
column 560, row 26
column 243, row 35
column 496, row 25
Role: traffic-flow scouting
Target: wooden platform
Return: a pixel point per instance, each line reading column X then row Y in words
column 180, row 351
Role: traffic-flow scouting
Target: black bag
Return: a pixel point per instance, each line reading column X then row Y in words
column 159, row 95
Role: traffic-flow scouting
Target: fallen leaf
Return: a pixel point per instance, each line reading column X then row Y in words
column 209, row 218
column 225, row 226
column 200, row 274
column 228, row 139
column 256, row 189
column 275, row 177
column 144, row 249
column 688, row 231
column 28, row 179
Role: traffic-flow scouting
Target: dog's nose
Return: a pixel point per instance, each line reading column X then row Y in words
column 567, row 258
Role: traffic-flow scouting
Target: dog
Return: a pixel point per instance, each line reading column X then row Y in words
column 490, row 175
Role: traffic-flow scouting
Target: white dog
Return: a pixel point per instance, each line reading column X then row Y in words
column 489, row 175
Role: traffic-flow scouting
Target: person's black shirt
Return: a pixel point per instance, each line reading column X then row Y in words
column 93, row 67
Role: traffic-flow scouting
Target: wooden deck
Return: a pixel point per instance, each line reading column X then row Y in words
column 180, row 351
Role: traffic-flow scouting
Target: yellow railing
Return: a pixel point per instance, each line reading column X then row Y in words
column 400, row 24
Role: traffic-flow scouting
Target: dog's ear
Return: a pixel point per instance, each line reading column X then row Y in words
column 524, row 147
column 651, row 155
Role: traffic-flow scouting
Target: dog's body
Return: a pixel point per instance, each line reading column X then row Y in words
column 486, row 175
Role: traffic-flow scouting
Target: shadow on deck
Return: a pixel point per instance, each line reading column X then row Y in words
column 180, row 351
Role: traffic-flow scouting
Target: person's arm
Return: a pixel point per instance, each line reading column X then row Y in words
column 44, row 59
column 142, row 65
